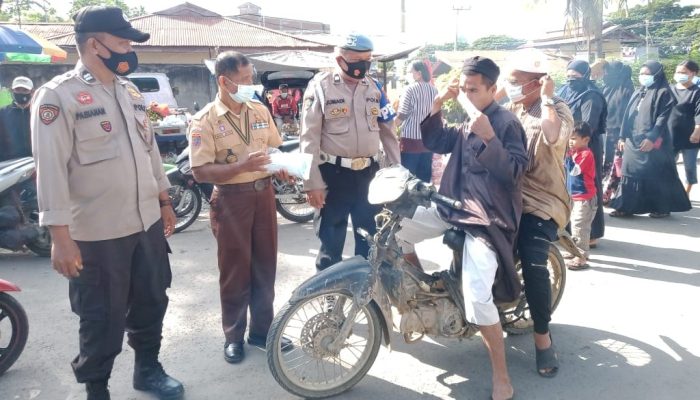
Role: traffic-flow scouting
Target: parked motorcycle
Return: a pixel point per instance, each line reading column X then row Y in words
column 14, row 326
column 19, row 209
column 337, row 318
column 187, row 194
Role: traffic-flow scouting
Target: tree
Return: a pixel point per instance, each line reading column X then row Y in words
column 129, row 12
column 672, row 27
column 497, row 42
column 588, row 15
column 29, row 11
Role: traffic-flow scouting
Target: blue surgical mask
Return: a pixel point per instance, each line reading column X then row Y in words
column 681, row 78
column 244, row 93
column 696, row 80
column 646, row 80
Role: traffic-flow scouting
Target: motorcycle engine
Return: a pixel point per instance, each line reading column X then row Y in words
column 439, row 317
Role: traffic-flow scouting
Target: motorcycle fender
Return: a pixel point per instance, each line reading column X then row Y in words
column 6, row 286
column 353, row 276
column 176, row 178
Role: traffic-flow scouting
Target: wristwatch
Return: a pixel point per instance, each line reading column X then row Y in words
column 547, row 101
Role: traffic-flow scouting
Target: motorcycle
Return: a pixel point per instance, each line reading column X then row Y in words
column 187, row 195
column 338, row 318
column 14, row 326
column 19, row 209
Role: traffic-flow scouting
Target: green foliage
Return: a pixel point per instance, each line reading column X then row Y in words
column 451, row 110
column 29, row 11
column 130, row 12
column 428, row 51
column 497, row 42
column 672, row 38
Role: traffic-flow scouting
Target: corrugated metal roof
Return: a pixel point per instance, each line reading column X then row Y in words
column 45, row 30
column 205, row 31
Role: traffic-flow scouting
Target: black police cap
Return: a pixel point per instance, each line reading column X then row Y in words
column 108, row 20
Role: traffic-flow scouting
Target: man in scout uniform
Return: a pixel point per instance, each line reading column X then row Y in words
column 103, row 194
column 345, row 117
column 229, row 139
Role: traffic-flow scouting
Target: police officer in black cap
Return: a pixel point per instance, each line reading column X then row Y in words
column 104, row 196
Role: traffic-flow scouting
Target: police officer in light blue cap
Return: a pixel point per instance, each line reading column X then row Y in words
column 345, row 117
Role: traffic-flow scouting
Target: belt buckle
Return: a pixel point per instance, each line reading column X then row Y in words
column 358, row 163
column 259, row 185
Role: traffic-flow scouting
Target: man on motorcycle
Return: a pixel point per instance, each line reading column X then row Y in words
column 488, row 159
column 284, row 107
column 546, row 204
column 104, row 195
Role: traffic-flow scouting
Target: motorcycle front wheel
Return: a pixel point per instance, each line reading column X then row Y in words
column 515, row 317
column 187, row 204
column 14, row 329
column 314, row 368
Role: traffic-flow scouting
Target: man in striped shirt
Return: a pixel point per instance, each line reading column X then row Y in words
column 414, row 106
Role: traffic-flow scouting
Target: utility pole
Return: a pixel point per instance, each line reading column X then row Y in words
column 457, row 9
column 403, row 16
column 646, row 35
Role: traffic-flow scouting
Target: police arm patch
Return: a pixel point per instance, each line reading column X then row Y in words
column 48, row 113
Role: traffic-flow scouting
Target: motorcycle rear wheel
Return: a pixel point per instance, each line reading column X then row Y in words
column 297, row 208
column 11, row 311
column 312, row 324
column 522, row 324
column 187, row 207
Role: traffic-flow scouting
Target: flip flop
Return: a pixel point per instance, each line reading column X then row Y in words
column 619, row 214
column 547, row 359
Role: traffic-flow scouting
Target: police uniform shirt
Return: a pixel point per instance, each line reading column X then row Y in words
column 217, row 135
column 99, row 170
column 346, row 121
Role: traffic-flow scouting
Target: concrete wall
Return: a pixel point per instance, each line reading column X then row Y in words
column 192, row 81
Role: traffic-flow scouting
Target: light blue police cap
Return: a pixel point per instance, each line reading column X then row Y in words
column 357, row 42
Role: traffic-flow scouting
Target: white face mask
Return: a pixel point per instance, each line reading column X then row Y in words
column 283, row 95
column 467, row 105
column 244, row 94
column 515, row 92
column 681, row 78
column 646, row 80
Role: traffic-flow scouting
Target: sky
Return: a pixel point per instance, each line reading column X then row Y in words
column 426, row 21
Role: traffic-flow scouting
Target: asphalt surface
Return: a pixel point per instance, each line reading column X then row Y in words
column 625, row 328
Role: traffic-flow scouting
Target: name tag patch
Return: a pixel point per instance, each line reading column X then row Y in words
column 140, row 107
column 91, row 113
column 260, row 125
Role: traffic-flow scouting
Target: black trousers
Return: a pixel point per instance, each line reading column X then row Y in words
column 534, row 238
column 597, row 147
column 121, row 287
column 347, row 196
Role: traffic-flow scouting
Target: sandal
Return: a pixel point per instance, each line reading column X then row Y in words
column 577, row 264
column 659, row 215
column 547, row 359
column 619, row 214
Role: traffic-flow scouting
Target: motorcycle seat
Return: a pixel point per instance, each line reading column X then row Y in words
column 289, row 145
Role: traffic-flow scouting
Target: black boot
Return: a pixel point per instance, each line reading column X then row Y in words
column 97, row 390
column 152, row 378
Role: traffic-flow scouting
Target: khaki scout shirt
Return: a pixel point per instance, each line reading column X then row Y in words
column 99, row 170
column 544, row 183
column 341, row 120
column 217, row 135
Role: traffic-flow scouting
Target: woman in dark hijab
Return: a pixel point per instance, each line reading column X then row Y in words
column 588, row 105
column 617, row 90
column 650, row 182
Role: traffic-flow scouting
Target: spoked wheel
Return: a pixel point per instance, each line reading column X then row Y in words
column 14, row 329
column 515, row 316
column 187, row 203
column 292, row 202
column 329, row 356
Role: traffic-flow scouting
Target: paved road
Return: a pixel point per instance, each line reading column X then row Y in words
column 625, row 327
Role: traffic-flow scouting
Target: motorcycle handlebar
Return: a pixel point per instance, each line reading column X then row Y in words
column 438, row 198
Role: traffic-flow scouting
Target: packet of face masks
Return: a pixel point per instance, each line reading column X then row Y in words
column 296, row 164
column 467, row 105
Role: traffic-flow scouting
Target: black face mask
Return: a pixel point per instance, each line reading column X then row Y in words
column 22, row 99
column 578, row 84
column 120, row 63
column 357, row 70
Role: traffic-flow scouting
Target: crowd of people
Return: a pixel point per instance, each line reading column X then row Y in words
column 528, row 162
